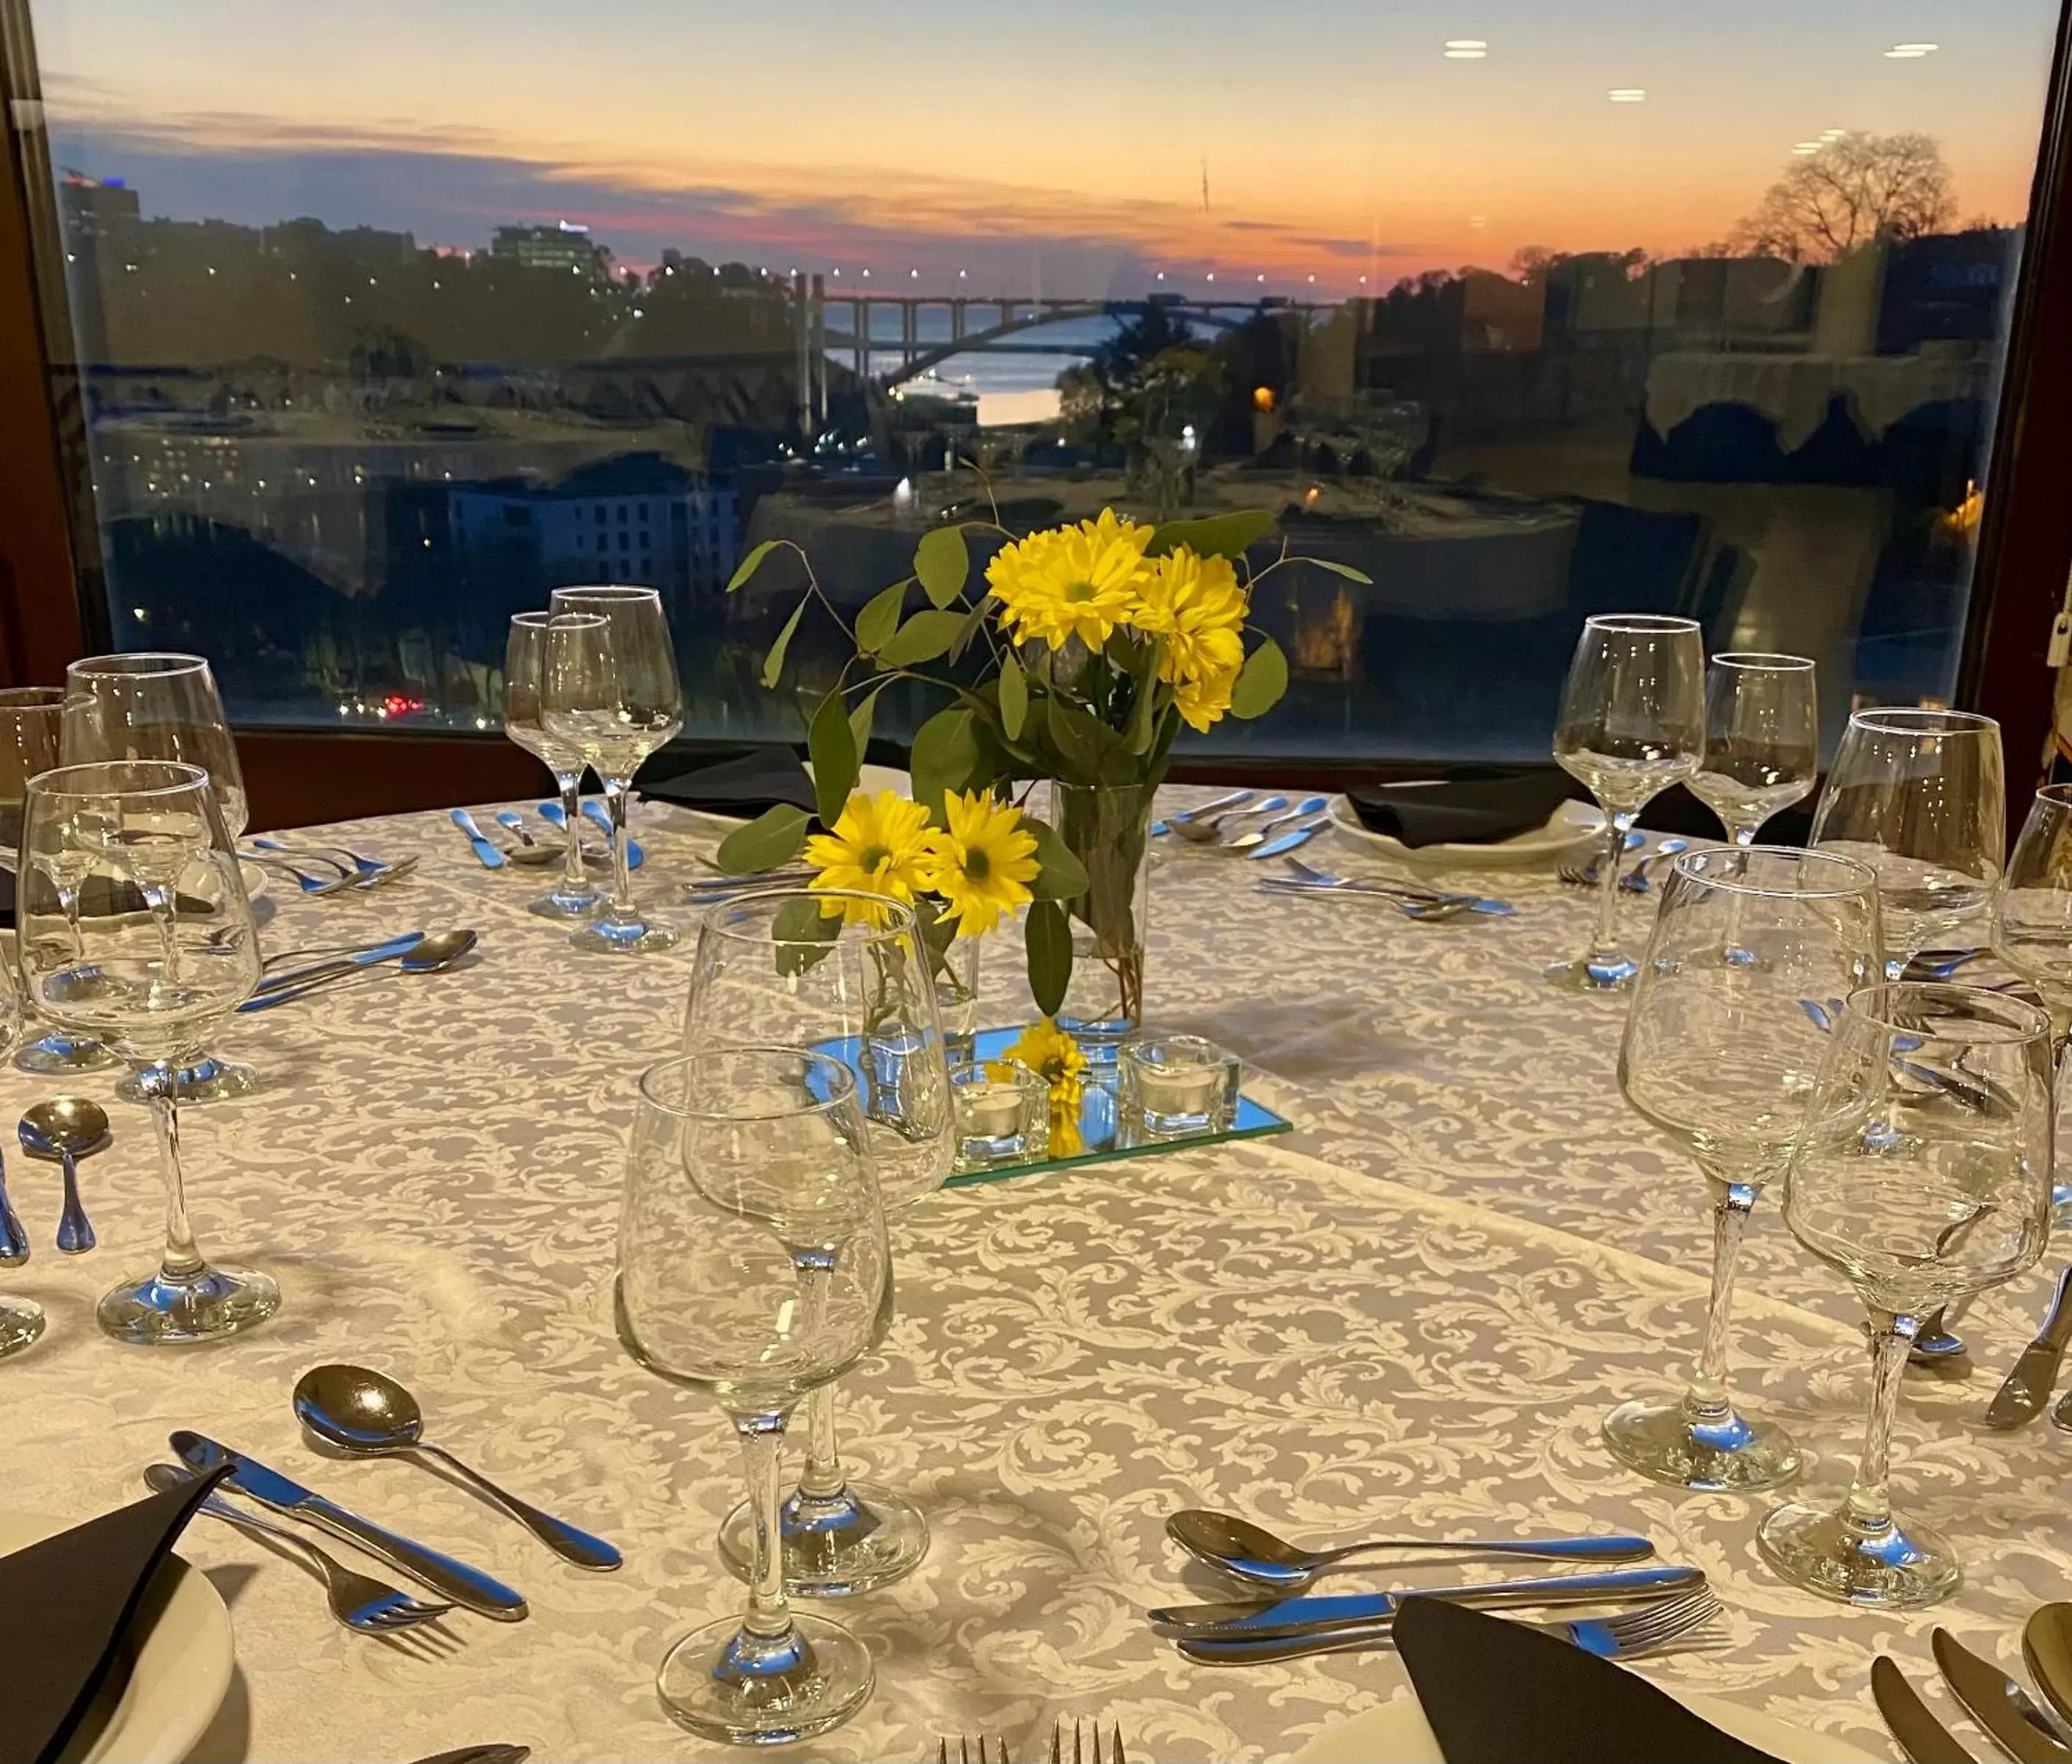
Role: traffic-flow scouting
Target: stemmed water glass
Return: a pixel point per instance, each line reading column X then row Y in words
column 847, row 975
column 1918, row 795
column 154, row 705
column 1722, row 1057
column 1923, row 1173
column 1632, row 724
column 753, row 1268
column 524, row 658
column 2032, row 932
column 157, row 947
column 1763, row 739
column 609, row 695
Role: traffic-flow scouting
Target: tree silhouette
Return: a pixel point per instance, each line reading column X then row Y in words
column 1856, row 188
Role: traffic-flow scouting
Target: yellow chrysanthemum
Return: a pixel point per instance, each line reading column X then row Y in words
column 1202, row 702
column 878, row 846
column 1044, row 1048
column 1071, row 582
column 1195, row 606
column 982, row 862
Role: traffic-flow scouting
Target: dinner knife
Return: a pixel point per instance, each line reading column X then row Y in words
column 2021, row 1399
column 600, row 817
column 1923, row 1738
column 446, row 1576
column 1997, row 1703
column 489, row 856
column 1301, row 836
column 1311, row 1615
column 481, row 1754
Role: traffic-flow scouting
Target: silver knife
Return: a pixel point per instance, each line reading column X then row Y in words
column 1997, row 1703
column 1301, row 836
column 450, row 1578
column 481, row 1754
column 1923, row 1738
column 492, row 858
column 2021, row 1399
column 600, row 817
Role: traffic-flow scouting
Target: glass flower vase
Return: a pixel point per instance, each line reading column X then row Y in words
column 1106, row 828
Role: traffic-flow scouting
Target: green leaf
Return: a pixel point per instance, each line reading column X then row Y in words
column 1260, row 682
column 1064, row 876
column 945, row 752
column 859, row 721
column 1217, row 536
column 1078, row 738
column 880, row 618
column 751, row 564
column 1049, row 938
column 1338, row 569
column 775, row 837
column 922, row 638
column 1014, row 697
column 802, row 922
column 831, row 743
column 969, row 628
column 773, row 663
column 942, row 563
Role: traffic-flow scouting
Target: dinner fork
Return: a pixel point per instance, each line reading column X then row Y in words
column 970, row 1752
column 309, row 884
column 1094, row 1754
column 1309, row 876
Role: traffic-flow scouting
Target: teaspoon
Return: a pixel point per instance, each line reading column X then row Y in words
column 67, row 1128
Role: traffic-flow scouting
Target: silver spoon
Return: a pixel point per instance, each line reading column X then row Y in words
column 67, row 1128
column 430, row 956
column 529, row 850
column 1259, row 836
column 1205, row 832
column 1253, row 1553
column 363, row 1412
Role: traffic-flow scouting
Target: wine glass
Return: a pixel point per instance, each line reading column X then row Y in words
column 610, row 696
column 30, row 718
column 157, row 947
column 1763, row 739
column 1721, row 1056
column 1632, row 724
column 2033, row 930
column 1917, row 795
column 161, row 706
column 847, row 975
column 524, row 654
column 1923, row 1173
column 753, row 1267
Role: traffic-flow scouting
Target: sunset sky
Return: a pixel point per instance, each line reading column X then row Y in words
column 1060, row 146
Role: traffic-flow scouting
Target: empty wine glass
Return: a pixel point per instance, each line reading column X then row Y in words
column 609, row 694
column 524, row 656
column 154, row 705
column 1722, row 1057
column 753, row 1268
column 1763, row 739
column 1632, row 724
column 847, row 975
column 156, row 947
column 1917, row 795
column 2033, row 930
column 1923, row 1173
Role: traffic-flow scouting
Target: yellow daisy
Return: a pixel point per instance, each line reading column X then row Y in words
column 1071, row 582
column 1196, row 606
column 1044, row 1048
column 878, row 846
column 982, row 862
column 1203, row 701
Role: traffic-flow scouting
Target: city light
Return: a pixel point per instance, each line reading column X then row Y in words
column 1805, row 147
column 1467, row 49
column 1911, row 51
column 1628, row 94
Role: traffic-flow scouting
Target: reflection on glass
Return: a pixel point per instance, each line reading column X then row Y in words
column 525, row 660
column 1762, row 740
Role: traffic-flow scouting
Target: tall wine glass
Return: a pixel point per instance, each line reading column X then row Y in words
column 30, row 720
column 1722, row 1057
column 1763, row 739
column 524, row 657
column 1923, row 1173
column 847, row 974
column 1632, row 724
column 2032, row 930
column 753, row 1268
column 154, row 705
column 610, row 696
column 161, row 948
column 1918, row 795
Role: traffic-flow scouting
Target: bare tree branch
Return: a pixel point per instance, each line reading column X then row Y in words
column 1856, row 188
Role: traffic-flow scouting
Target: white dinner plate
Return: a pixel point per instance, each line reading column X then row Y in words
column 172, row 1685
column 1398, row 1733
column 1573, row 829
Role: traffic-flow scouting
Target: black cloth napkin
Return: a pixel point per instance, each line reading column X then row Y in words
column 1500, row 1692
column 1475, row 806
column 744, row 786
column 67, row 1605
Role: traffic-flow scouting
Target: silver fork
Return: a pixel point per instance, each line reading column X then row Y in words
column 969, row 1751
column 1094, row 1754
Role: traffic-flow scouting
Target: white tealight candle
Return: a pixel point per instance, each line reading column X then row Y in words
column 1179, row 1090
column 992, row 1110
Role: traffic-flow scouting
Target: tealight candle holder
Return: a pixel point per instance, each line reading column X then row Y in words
column 1003, row 1112
column 1169, row 1085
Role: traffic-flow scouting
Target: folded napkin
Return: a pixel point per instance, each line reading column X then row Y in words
column 1475, row 806
column 744, row 786
column 66, row 1606
column 1500, row 1692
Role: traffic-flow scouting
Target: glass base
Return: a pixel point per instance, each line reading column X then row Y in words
column 611, row 934
column 57, row 1054
column 724, row 1684
column 1662, row 1442
column 1895, row 1569
column 560, row 903
column 1609, row 972
column 21, row 1324
column 155, row 1310
column 209, row 1080
column 860, row 1539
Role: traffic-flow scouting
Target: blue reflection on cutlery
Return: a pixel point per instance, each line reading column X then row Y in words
column 492, row 858
column 600, row 817
column 362, row 958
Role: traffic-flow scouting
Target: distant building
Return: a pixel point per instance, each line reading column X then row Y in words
column 566, row 247
column 95, row 208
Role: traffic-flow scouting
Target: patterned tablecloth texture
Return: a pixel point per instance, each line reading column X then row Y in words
column 1411, row 1315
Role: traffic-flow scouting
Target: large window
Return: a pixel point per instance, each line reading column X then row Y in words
column 386, row 318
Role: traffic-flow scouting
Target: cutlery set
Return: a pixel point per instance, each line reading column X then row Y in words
column 411, row 952
column 1634, row 881
column 2028, row 1731
column 528, row 849
column 1285, row 829
column 1411, row 901
column 342, row 869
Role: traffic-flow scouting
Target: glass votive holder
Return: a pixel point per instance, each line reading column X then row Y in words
column 1003, row 1112
column 1176, row 1084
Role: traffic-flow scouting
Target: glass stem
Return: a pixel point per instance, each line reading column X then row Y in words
column 1707, row 1401
column 1604, row 940
column 762, row 1436
column 1744, row 835
column 1867, row 1509
column 68, row 905
column 159, row 899
column 575, row 880
column 183, row 1260
column 622, row 871
column 822, row 1479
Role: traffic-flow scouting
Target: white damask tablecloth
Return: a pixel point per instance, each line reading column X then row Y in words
column 1409, row 1315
